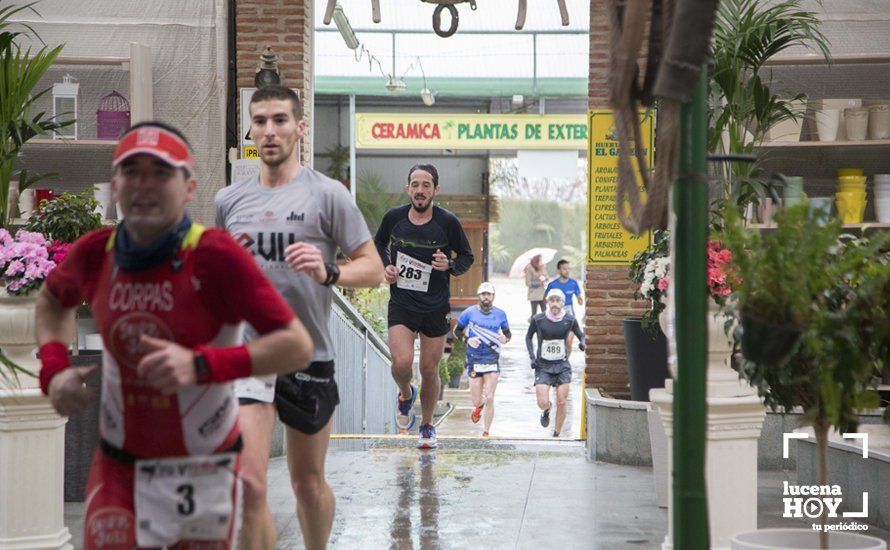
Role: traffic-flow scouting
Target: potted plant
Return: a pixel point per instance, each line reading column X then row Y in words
column 456, row 363
column 66, row 217
column 26, row 259
column 22, row 70
column 832, row 289
column 647, row 356
column 33, row 434
column 742, row 108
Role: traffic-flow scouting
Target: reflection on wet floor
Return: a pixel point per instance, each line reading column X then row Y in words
column 473, row 493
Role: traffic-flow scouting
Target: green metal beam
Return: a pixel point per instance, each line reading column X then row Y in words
column 454, row 87
column 690, row 506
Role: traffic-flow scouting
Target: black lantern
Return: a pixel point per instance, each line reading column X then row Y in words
column 267, row 73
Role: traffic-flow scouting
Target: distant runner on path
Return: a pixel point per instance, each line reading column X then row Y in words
column 484, row 328
column 553, row 329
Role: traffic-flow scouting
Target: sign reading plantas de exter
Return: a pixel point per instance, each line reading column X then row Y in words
column 478, row 131
column 608, row 243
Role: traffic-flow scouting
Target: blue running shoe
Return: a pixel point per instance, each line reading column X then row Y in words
column 405, row 418
column 427, row 437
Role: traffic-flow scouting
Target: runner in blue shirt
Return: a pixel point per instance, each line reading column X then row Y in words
column 484, row 328
column 567, row 285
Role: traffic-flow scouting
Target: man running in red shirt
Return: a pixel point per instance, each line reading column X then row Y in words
column 168, row 297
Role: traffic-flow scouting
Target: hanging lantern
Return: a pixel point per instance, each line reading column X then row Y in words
column 113, row 116
column 65, row 106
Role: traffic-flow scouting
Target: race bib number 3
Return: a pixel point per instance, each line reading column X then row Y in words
column 413, row 274
column 184, row 498
column 553, row 350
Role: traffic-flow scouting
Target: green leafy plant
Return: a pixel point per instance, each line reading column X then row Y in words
column 372, row 304
column 372, row 199
column 747, row 33
column 455, row 364
column 835, row 289
column 20, row 72
column 66, row 217
column 338, row 163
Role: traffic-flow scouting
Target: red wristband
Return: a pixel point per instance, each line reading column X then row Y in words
column 53, row 359
column 225, row 364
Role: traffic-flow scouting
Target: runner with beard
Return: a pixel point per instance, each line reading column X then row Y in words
column 421, row 245
column 484, row 328
column 551, row 363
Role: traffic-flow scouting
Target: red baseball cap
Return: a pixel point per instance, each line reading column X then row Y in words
column 157, row 142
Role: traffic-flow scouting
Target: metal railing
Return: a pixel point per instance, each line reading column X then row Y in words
column 367, row 390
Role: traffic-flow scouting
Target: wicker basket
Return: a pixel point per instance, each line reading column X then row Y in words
column 113, row 116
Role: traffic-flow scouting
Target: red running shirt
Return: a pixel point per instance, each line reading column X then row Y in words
column 200, row 296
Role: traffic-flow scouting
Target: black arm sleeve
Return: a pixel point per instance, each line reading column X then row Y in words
column 532, row 330
column 507, row 334
column 381, row 239
column 576, row 328
column 461, row 246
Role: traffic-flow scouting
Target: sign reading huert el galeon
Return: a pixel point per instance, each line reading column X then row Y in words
column 482, row 131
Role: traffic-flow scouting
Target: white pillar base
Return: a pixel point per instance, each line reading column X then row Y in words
column 733, row 428
column 32, row 454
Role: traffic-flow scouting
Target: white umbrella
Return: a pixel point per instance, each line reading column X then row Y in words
column 525, row 258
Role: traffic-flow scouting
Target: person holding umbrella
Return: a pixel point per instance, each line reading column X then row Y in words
column 536, row 282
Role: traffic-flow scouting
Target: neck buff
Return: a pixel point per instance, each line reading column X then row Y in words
column 556, row 318
column 132, row 256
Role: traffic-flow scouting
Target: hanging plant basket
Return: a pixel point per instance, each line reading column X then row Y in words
column 767, row 343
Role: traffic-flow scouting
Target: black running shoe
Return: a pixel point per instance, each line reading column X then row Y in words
column 545, row 418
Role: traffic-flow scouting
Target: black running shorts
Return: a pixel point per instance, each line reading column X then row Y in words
column 432, row 324
column 306, row 400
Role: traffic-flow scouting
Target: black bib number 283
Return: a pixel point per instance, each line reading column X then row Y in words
column 409, row 272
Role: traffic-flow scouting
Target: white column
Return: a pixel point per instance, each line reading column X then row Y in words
column 32, row 454
column 735, row 418
column 32, row 444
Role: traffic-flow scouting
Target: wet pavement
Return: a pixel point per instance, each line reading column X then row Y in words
column 485, row 493
column 516, row 409
column 472, row 494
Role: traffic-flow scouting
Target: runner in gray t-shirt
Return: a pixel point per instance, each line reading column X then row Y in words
column 293, row 219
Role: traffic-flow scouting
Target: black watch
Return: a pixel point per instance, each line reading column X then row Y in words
column 202, row 369
column 333, row 275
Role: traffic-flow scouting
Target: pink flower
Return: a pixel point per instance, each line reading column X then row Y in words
column 663, row 284
column 58, row 250
column 15, row 267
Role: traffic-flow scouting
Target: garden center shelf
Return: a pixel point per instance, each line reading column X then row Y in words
column 790, row 144
column 857, row 226
column 72, row 142
column 19, row 222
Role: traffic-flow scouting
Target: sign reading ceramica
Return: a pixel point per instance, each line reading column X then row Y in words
column 608, row 243
column 444, row 131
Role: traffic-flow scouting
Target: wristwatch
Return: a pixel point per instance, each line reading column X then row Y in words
column 333, row 274
column 450, row 265
column 202, row 369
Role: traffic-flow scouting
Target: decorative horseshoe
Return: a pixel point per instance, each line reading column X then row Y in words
column 437, row 20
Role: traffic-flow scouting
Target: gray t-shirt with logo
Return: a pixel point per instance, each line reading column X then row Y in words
column 311, row 208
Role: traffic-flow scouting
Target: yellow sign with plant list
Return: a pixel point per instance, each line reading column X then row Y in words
column 608, row 243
